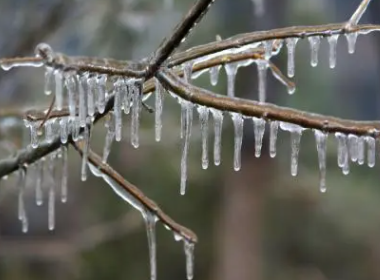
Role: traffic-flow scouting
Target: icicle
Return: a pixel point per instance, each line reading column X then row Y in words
column 218, row 125
column 86, row 147
column 22, row 216
column 189, row 252
column 214, row 75
column 273, row 138
column 187, row 71
column 231, row 71
column 262, row 67
column 361, row 150
column 315, row 42
column 158, row 110
column 353, row 147
column 371, row 151
column 295, row 139
column 342, row 152
column 82, row 80
column 321, row 140
column 150, row 222
column 91, row 95
column 268, row 47
column 71, row 90
column 101, row 81
column 58, row 89
column 33, row 133
column 203, row 117
column 351, row 41
column 188, row 122
column 51, row 201
column 259, row 128
column 291, row 46
column 49, row 133
column 127, row 97
column 333, row 41
column 238, row 139
column 74, row 127
column 109, row 138
column 136, row 109
column 63, row 130
column 117, row 110
column 39, row 176
column 183, row 119
column 48, row 80
column 64, row 178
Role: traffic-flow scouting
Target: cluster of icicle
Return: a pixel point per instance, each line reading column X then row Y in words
column 52, row 172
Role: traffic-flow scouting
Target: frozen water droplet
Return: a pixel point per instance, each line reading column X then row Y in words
column 295, row 139
column 214, row 75
column 39, row 177
column 58, row 89
column 351, row 41
column 315, row 42
column 91, row 82
column 188, row 122
column 268, row 46
column 22, row 216
column 48, row 80
column 273, row 138
column 218, row 125
column 231, row 71
column 51, row 200
column 259, row 128
column 64, row 178
column 187, row 71
column 158, row 110
column 49, row 132
column 71, row 90
column 262, row 67
column 189, row 252
column 333, row 41
column 82, row 81
column 371, row 151
column 136, row 109
column 291, row 44
column 353, row 147
column 150, row 223
column 203, row 117
column 63, row 130
column 109, row 138
column 321, row 140
column 238, row 139
column 361, row 150
column 33, row 126
column 101, row 81
column 343, row 161
column 117, row 109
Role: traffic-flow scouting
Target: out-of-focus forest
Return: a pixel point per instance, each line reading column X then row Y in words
column 258, row 223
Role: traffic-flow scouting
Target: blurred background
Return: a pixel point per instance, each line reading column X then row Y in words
column 258, row 223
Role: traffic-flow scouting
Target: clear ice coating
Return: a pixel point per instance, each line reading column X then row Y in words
column 22, row 215
column 33, row 126
column 187, row 71
column 361, row 150
column 315, row 42
column 214, row 75
column 150, row 223
column 48, row 80
column 321, row 141
column 268, row 46
column 351, row 41
column 188, row 122
column 291, row 44
column 189, row 253
column 273, row 129
column 74, row 128
column 203, row 118
column 49, row 132
column 371, row 151
column 39, row 177
column 58, row 89
column 231, row 71
column 110, row 125
column 333, row 41
column 159, row 102
column 259, row 128
column 238, row 122
column 86, row 147
column 82, row 82
column 353, row 147
column 51, row 198
column 117, row 110
column 343, row 161
column 91, row 87
column 262, row 67
column 71, row 90
column 218, row 125
column 295, row 140
column 136, row 110
column 101, row 82
column 64, row 177
column 64, row 130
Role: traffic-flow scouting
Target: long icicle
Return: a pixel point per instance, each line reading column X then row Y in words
column 218, row 126
column 203, row 117
column 159, row 102
column 186, row 143
column 238, row 139
column 321, row 141
column 150, row 223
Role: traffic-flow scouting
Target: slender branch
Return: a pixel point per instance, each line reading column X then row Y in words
column 354, row 20
column 179, row 34
column 267, row 111
column 137, row 194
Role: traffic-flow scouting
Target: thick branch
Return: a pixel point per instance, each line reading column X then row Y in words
column 137, row 194
column 265, row 110
column 179, row 34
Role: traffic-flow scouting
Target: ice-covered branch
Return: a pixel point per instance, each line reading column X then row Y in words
column 354, row 20
column 168, row 46
column 250, row 108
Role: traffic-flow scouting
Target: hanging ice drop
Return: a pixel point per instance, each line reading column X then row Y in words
column 238, row 139
column 273, row 138
column 333, row 41
column 218, row 125
column 188, row 108
column 351, row 41
column 262, row 67
column 159, row 102
column 203, row 117
column 291, row 46
column 189, row 252
column 371, row 151
column 259, row 128
column 321, row 140
column 150, row 223
column 214, row 75
column 231, row 71
column 315, row 42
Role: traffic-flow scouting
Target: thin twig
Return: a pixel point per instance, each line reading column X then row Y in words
column 137, row 194
column 354, row 20
column 265, row 110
